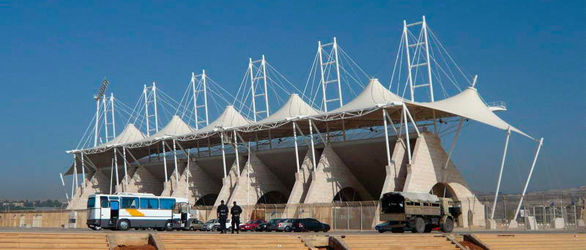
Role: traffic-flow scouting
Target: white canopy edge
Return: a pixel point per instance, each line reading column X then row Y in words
column 468, row 104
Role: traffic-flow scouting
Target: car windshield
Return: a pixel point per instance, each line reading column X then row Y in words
column 250, row 222
column 211, row 221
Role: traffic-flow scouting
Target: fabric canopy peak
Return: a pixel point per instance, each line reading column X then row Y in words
column 293, row 108
column 228, row 119
column 175, row 127
column 374, row 95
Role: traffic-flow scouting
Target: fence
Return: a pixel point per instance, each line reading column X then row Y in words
column 544, row 208
column 356, row 215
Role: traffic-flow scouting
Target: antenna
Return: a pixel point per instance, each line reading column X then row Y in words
column 325, row 65
column 150, row 98
column 195, row 91
column 256, row 76
column 416, row 61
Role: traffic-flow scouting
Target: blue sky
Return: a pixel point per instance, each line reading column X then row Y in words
column 530, row 54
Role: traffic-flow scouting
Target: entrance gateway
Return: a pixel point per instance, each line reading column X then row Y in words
column 123, row 211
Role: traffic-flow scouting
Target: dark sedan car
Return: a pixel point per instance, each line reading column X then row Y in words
column 310, row 224
column 269, row 226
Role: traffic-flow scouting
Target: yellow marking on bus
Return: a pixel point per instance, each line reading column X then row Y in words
column 134, row 212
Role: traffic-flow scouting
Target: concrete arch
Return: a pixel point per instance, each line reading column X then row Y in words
column 347, row 194
column 272, row 197
column 472, row 209
column 206, row 200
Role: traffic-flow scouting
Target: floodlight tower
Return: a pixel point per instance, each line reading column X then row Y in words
column 256, row 76
column 98, row 97
column 327, row 60
column 413, row 60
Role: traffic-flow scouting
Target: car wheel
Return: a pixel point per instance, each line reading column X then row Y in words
column 428, row 228
column 123, row 225
column 287, row 229
column 418, row 225
column 448, row 225
column 381, row 231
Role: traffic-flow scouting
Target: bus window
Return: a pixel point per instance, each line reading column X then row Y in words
column 104, row 202
column 129, row 202
column 149, row 203
column 167, row 203
column 91, row 202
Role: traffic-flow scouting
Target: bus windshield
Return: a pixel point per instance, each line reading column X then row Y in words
column 91, row 202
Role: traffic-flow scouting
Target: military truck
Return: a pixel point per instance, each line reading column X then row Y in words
column 417, row 212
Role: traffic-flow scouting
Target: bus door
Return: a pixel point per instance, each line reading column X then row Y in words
column 114, row 211
column 104, row 209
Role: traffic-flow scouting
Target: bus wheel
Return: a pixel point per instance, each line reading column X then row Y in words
column 418, row 225
column 169, row 226
column 447, row 224
column 123, row 225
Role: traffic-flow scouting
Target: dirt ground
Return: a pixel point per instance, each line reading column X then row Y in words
column 142, row 247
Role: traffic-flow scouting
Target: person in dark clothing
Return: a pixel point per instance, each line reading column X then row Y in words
column 222, row 216
column 236, row 211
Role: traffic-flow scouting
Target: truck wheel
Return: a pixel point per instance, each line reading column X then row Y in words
column 418, row 225
column 447, row 224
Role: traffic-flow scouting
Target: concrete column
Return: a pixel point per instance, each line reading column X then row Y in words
column 194, row 183
column 331, row 176
column 427, row 169
column 96, row 183
column 255, row 181
column 143, row 181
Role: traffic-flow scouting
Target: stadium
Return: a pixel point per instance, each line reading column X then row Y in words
column 293, row 146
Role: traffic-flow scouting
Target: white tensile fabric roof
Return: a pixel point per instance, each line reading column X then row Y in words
column 374, row 95
column 293, row 108
column 130, row 134
column 468, row 104
column 228, row 119
column 175, row 127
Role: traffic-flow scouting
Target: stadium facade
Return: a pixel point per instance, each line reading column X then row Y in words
column 377, row 142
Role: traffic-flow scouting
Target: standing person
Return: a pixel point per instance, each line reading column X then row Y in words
column 222, row 216
column 236, row 211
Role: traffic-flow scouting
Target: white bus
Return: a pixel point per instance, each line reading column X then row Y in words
column 123, row 211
